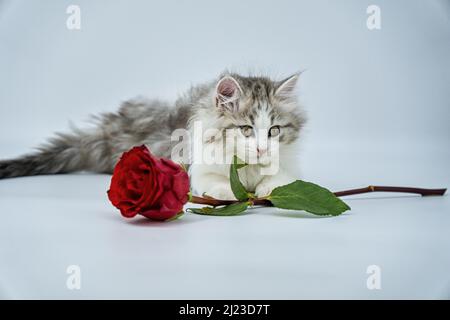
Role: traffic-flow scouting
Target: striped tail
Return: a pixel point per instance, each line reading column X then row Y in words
column 64, row 153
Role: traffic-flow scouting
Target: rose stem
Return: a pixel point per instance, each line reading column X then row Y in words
column 421, row 191
column 265, row 202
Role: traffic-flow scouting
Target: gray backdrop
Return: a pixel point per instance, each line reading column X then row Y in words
column 371, row 87
column 378, row 103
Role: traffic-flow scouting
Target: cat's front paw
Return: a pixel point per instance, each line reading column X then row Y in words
column 221, row 192
column 266, row 186
column 264, row 189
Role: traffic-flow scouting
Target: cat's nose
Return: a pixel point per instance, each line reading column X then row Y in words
column 261, row 151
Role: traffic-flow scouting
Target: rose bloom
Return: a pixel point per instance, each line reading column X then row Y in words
column 156, row 188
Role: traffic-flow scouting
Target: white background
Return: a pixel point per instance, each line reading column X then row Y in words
column 378, row 103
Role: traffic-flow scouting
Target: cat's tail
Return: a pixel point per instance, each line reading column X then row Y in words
column 62, row 154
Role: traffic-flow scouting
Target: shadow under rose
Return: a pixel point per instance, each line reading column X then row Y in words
column 142, row 221
column 145, row 222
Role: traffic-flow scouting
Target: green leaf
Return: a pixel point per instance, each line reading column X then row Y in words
column 307, row 196
column 238, row 162
column 236, row 186
column 230, row 210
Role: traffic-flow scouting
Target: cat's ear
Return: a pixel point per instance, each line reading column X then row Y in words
column 286, row 88
column 228, row 92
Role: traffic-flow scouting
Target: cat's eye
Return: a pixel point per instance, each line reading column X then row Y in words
column 274, row 131
column 247, row 131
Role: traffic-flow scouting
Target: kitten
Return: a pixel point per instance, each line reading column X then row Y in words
column 261, row 117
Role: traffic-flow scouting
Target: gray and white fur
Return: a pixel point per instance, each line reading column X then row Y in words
column 230, row 101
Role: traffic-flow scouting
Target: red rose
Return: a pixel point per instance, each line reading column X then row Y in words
column 156, row 188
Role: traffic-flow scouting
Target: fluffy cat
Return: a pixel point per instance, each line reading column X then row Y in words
column 261, row 116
